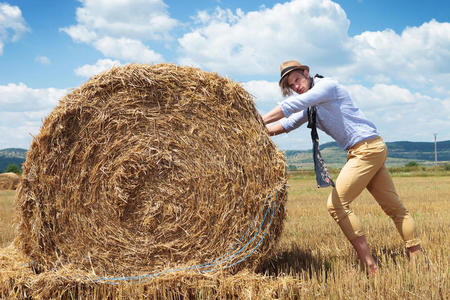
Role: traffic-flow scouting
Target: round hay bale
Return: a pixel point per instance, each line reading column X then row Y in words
column 145, row 168
column 9, row 181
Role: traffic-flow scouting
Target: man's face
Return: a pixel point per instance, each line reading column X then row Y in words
column 299, row 81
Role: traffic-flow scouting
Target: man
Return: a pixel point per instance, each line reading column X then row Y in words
column 337, row 115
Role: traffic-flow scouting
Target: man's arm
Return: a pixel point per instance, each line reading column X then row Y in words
column 323, row 91
column 288, row 124
column 274, row 115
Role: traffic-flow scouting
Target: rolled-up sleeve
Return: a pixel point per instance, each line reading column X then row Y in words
column 294, row 120
column 323, row 91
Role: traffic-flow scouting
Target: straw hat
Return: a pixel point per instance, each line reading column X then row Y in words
column 289, row 66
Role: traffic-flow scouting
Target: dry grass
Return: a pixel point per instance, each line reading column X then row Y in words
column 314, row 250
column 7, row 228
column 313, row 259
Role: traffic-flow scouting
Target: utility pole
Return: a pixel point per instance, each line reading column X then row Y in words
column 435, row 150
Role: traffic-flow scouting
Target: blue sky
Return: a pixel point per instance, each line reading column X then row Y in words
column 394, row 56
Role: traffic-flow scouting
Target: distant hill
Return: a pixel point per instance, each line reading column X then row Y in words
column 400, row 153
column 12, row 156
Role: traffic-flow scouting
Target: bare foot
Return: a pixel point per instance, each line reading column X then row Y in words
column 417, row 258
column 414, row 253
column 414, row 250
column 369, row 268
column 362, row 249
column 372, row 269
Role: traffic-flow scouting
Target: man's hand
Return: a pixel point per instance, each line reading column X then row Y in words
column 276, row 129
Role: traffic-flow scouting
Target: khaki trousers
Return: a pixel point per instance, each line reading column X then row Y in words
column 365, row 169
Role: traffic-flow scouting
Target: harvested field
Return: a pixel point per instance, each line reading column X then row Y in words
column 312, row 260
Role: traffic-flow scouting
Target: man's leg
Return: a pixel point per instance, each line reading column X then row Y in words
column 383, row 190
column 352, row 180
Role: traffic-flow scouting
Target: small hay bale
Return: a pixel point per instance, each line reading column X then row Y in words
column 145, row 168
column 9, row 181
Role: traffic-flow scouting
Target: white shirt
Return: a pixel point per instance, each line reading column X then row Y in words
column 337, row 115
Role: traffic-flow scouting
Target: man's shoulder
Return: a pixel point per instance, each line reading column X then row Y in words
column 325, row 82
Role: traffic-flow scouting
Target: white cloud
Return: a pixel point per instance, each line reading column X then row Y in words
column 266, row 93
column 43, row 60
column 80, row 33
column 138, row 19
column 12, row 24
column 119, row 29
column 417, row 57
column 381, row 95
column 127, row 49
column 400, row 114
column 20, row 98
column 22, row 110
column 17, row 135
column 100, row 66
column 18, row 128
column 256, row 42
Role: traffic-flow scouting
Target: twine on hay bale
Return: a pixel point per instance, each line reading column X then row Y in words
column 145, row 168
column 9, row 181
